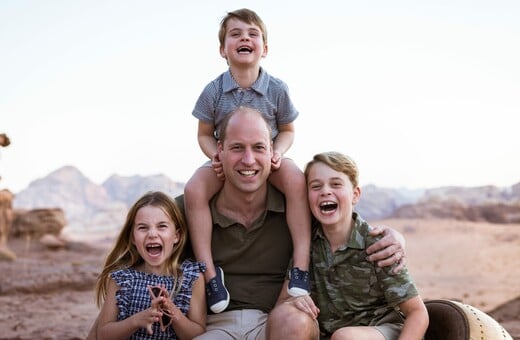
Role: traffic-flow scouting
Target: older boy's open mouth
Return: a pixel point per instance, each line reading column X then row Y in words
column 328, row 206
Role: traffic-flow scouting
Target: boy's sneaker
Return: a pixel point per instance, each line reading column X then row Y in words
column 216, row 292
column 299, row 282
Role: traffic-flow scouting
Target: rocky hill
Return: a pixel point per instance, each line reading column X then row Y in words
column 379, row 203
column 88, row 206
column 479, row 204
column 92, row 207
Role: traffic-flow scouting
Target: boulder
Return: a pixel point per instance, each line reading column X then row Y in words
column 37, row 222
column 52, row 242
column 6, row 219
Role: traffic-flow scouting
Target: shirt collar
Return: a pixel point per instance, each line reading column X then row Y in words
column 260, row 85
column 357, row 236
column 275, row 203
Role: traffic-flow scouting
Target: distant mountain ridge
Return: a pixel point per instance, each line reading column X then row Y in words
column 92, row 207
column 89, row 206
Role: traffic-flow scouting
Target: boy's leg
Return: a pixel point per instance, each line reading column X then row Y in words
column 290, row 180
column 197, row 193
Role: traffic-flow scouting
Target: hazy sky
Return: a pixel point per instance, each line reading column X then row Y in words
column 419, row 93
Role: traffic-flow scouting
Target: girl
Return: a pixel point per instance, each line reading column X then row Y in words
column 146, row 289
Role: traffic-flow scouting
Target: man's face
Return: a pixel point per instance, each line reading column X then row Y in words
column 246, row 152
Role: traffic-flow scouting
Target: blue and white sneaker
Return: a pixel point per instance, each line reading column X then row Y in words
column 216, row 292
column 299, row 282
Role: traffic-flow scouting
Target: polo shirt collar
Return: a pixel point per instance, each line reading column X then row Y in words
column 260, row 85
column 275, row 203
column 357, row 237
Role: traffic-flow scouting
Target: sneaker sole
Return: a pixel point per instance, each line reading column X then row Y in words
column 221, row 306
column 295, row 291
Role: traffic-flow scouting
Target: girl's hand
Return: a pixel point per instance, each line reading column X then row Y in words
column 169, row 308
column 162, row 301
column 147, row 317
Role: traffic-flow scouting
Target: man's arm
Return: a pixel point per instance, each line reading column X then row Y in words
column 389, row 249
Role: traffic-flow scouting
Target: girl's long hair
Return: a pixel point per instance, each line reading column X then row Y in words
column 124, row 254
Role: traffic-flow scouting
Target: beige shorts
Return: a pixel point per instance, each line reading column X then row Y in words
column 389, row 330
column 248, row 324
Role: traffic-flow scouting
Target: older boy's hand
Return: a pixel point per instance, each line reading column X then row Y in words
column 389, row 250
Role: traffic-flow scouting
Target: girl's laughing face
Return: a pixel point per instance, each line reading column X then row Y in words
column 154, row 235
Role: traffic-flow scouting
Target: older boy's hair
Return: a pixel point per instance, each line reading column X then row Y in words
column 338, row 162
column 244, row 15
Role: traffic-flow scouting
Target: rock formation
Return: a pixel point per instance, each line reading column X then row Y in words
column 42, row 224
column 38, row 222
column 6, row 219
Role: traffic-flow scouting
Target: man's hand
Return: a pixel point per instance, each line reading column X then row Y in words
column 305, row 304
column 388, row 250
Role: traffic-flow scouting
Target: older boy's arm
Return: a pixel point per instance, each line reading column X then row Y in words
column 389, row 250
column 416, row 318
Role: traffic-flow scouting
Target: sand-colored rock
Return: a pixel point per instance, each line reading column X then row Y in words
column 37, row 222
column 6, row 254
column 52, row 241
column 6, row 220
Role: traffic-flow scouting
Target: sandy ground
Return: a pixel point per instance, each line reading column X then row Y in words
column 48, row 294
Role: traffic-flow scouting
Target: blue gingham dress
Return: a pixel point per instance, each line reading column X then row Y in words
column 133, row 295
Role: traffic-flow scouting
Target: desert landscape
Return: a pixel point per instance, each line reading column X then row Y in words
column 48, row 293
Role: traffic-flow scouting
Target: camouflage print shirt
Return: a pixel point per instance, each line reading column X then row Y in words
column 351, row 291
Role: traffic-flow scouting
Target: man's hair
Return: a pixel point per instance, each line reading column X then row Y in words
column 244, row 15
column 338, row 162
column 244, row 110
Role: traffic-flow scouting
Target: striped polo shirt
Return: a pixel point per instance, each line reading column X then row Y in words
column 268, row 94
